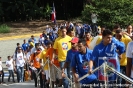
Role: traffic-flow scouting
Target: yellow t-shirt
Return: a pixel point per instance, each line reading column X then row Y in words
column 62, row 45
column 43, row 53
column 113, row 33
column 99, row 40
column 125, row 39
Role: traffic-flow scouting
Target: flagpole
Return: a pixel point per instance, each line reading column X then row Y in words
column 53, row 17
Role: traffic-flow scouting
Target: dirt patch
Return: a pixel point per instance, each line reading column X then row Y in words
column 26, row 27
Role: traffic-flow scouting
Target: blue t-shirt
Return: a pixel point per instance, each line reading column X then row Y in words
column 51, row 37
column 82, row 31
column 70, row 55
column 81, row 63
column 109, row 52
column 30, row 40
column 46, row 42
column 25, row 46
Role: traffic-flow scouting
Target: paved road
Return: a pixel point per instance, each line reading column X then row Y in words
column 28, row 84
column 7, row 47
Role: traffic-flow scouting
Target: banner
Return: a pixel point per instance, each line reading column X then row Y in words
column 109, row 76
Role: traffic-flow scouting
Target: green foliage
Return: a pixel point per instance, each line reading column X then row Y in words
column 15, row 10
column 110, row 12
column 48, row 10
column 4, row 28
column 24, row 10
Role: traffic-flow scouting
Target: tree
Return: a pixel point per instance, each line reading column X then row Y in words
column 110, row 12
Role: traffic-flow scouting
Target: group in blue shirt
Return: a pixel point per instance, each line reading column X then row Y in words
column 110, row 50
column 80, row 62
column 80, row 65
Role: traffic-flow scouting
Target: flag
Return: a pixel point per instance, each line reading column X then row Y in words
column 53, row 17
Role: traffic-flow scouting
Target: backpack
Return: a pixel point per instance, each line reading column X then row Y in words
column 27, row 75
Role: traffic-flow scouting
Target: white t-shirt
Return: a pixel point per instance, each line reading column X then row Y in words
column 41, row 40
column 78, row 29
column 20, row 59
column 129, row 51
column 10, row 64
column 0, row 65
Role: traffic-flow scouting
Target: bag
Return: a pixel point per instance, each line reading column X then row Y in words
column 27, row 75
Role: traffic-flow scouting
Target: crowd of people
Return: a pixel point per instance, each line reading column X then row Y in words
column 73, row 50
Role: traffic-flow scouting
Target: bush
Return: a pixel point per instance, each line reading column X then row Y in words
column 4, row 28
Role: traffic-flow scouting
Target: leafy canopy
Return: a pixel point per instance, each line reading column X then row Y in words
column 110, row 12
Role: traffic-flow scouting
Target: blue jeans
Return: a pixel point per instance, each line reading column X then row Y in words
column 20, row 73
column 65, row 81
column 11, row 73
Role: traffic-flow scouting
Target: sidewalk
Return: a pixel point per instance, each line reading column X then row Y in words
column 20, row 36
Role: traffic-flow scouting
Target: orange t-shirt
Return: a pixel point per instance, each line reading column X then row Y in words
column 50, row 54
column 89, row 41
column 36, row 60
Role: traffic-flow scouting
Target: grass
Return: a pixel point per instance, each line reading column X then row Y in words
column 4, row 28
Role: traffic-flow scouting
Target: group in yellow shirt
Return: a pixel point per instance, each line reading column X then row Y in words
column 62, row 45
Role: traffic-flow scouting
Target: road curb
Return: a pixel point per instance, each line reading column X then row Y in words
column 20, row 36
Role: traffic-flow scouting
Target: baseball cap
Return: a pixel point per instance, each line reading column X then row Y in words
column 74, row 40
